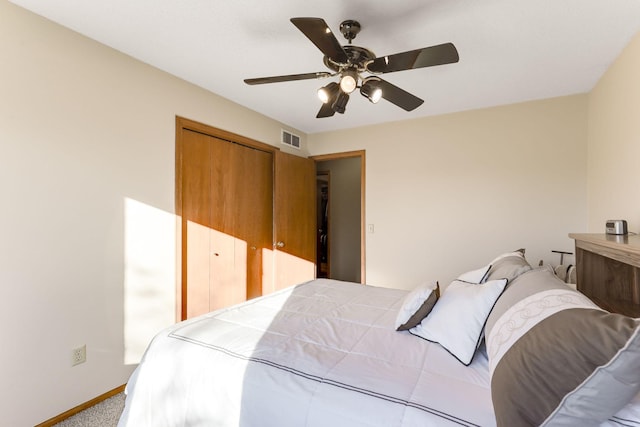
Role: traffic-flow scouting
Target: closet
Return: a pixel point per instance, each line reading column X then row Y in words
column 244, row 230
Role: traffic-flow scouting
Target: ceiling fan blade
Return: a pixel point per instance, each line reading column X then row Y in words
column 400, row 97
column 426, row 57
column 325, row 111
column 287, row 78
column 320, row 35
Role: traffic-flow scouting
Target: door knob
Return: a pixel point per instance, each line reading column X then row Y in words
column 280, row 244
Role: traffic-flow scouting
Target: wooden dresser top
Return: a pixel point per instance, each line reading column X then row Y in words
column 625, row 249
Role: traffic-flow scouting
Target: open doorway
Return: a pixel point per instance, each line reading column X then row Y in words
column 323, row 267
column 340, row 213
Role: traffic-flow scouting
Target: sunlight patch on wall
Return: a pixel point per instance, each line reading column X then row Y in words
column 149, row 278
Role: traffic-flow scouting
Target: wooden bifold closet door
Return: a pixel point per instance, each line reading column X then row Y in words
column 295, row 220
column 227, row 222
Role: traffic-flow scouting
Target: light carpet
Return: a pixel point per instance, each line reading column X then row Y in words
column 104, row 414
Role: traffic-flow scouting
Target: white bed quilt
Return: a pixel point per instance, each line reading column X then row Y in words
column 324, row 353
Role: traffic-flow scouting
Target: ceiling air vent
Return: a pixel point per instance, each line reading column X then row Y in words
column 290, row 139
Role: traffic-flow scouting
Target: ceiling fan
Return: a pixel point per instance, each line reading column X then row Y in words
column 352, row 62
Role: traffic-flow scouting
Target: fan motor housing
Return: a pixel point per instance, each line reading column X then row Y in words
column 350, row 29
column 358, row 57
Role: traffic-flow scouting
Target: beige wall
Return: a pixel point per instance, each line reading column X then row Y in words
column 87, row 238
column 614, row 143
column 447, row 193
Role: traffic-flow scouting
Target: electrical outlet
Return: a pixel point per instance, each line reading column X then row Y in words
column 79, row 355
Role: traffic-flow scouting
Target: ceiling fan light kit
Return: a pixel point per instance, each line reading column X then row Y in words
column 351, row 62
column 340, row 103
column 349, row 81
column 328, row 92
column 371, row 90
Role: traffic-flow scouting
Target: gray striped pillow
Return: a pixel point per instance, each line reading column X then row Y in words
column 555, row 358
column 508, row 266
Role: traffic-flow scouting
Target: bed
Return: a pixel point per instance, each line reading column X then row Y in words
column 331, row 353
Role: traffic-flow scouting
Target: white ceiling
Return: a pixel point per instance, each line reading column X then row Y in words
column 510, row 50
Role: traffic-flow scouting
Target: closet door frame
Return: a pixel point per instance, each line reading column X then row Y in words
column 183, row 124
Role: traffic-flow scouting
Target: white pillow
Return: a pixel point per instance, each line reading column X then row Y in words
column 416, row 305
column 475, row 276
column 457, row 321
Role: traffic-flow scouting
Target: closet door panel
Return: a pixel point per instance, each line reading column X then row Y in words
column 255, row 216
column 295, row 220
column 228, row 262
column 196, row 223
